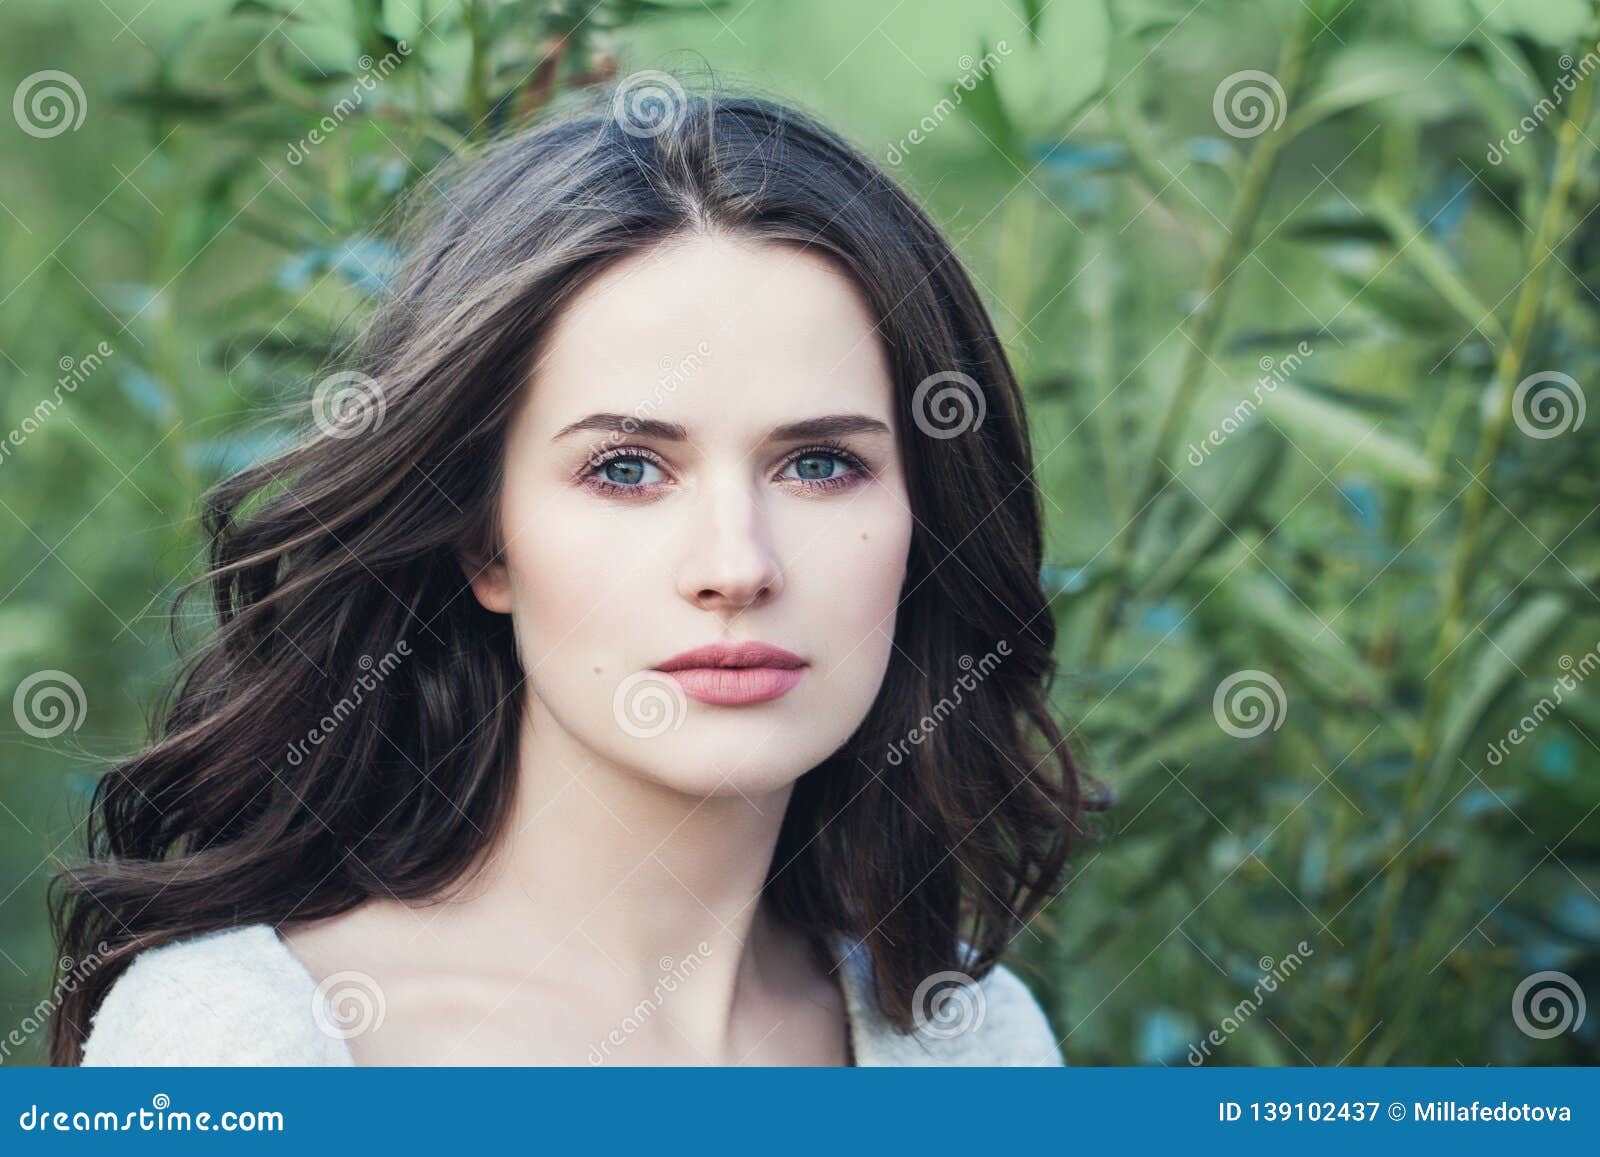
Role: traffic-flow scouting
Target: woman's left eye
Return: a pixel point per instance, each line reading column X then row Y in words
column 815, row 467
column 630, row 471
column 819, row 466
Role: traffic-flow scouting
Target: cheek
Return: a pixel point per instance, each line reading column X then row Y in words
column 845, row 571
column 579, row 576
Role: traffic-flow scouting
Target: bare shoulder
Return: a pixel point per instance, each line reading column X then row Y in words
column 231, row 997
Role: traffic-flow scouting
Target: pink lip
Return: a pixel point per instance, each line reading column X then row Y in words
column 734, row 674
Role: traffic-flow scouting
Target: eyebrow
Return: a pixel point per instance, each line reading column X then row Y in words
column 825, row 427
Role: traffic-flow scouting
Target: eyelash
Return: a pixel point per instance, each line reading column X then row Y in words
column 592, row 476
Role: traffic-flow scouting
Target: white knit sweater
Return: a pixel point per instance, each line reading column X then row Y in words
column 240, row 997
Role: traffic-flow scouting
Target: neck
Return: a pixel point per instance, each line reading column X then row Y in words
column 614, row 883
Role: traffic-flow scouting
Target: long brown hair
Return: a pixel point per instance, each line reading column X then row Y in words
column 341, row 553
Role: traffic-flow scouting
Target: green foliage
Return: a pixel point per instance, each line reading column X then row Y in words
column 1376, row 531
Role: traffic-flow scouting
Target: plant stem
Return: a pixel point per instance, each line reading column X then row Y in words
column 477, row 95
column 1424, row 784
column 1017, row 262
column 1203, row 327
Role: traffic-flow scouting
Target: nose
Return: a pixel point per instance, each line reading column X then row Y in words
column 729, row 563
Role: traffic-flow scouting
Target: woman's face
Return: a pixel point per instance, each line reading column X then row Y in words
column 662, row 495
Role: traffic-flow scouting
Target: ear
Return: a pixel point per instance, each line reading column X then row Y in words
column 490, row 583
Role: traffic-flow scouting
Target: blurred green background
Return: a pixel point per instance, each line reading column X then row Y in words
column 1271, row 272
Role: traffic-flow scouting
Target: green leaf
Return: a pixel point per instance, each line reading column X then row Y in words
column 1493, row 669
column 1339, row 225
column 1417, row 247
column 1402, row 78
column 1064, row 64
column 1558, row 23
column 1325, row 661
column 1355, row 438
column 1252, row 463
column 1032, row 10
column 985, row 108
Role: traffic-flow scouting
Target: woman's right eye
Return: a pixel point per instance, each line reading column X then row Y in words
column 626, row 472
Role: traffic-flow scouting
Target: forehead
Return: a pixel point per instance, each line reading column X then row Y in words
column 712, row 331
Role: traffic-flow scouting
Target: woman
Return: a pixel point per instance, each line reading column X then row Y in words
column 642, row 660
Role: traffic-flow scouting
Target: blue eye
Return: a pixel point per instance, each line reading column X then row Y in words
column 629, row 471
column 637, row 474
column 817, row 467
column 825, row 468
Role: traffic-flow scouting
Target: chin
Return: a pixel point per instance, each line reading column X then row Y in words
column 749, row 764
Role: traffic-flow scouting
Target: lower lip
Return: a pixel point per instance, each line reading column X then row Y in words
column 734, row 686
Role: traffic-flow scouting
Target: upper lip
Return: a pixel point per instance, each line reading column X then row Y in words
column 733, row 655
